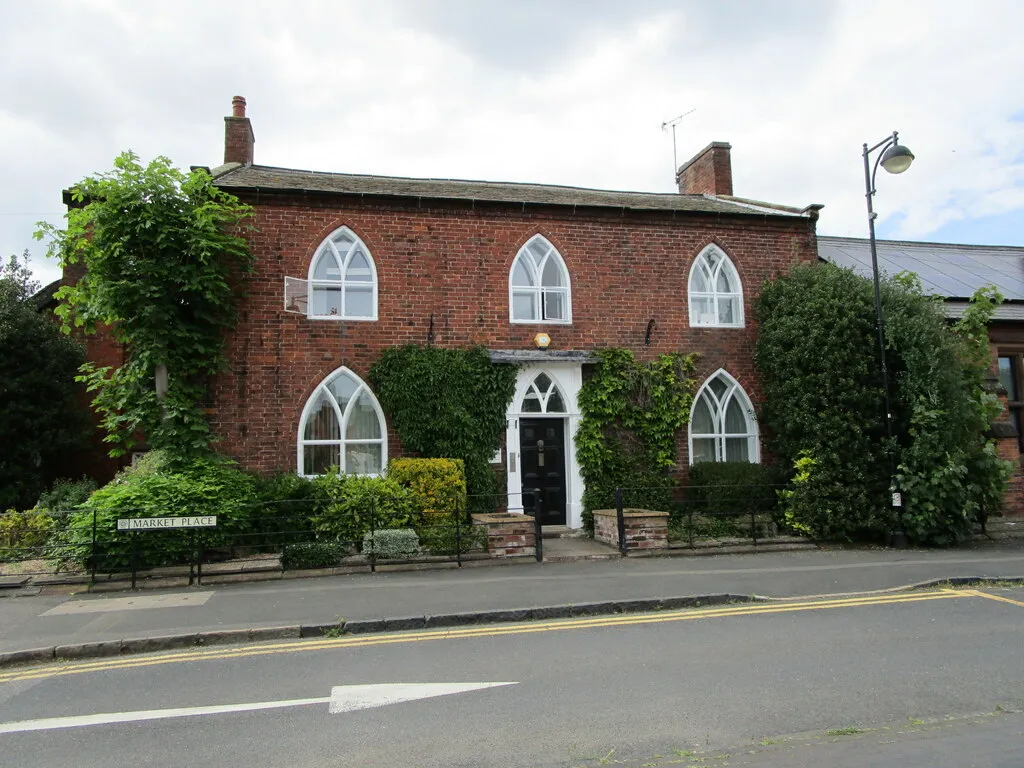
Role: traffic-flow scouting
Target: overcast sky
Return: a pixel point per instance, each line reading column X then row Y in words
column 531, row 90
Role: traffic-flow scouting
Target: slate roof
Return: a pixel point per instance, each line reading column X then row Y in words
column 234, row 176
column 952, row 271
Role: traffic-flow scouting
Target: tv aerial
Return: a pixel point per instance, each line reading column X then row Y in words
column 673, row 123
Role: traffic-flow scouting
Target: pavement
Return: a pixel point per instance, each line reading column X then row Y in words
column 47, row 626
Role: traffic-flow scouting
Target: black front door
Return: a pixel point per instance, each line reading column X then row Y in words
column 542, row 446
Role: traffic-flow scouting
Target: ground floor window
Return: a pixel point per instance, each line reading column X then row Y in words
column 1011, row 373
column 342, row 426
column 722, row 424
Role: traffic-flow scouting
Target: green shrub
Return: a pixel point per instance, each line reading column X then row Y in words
column 313, row 554
column 442, row 539
column 285, row 506
column 23, row 535
column 438, row 486
column 448, row 403
column 632, row 412
column 732, row 488
column 824, row 414
column 67, row 494
column 348, row 506
column 202, row 487
column 391, row 543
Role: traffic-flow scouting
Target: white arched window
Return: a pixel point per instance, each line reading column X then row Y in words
column 542, row 396
column 715, row 292
column 722, row 425
column 342, row 426
column 342, row 279
column 538, row 285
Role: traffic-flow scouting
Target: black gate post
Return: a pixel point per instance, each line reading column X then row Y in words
column 202, row 552
column 92, row 551
column 191, row 557
column 373, row 536
column 620, row 520
column 458, row 537
column 135, row 556
column 538, row 529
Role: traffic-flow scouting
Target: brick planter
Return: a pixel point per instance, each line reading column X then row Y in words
column 645, row 529
column 508, row 534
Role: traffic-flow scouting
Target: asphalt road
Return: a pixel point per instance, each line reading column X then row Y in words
column 646, row 689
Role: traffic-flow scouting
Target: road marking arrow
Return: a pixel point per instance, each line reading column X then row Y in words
column 343, row 698
column 347, row 698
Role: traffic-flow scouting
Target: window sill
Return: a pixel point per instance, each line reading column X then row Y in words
column 339, row 318
column 540, row 322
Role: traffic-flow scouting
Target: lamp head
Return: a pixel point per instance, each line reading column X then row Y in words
column 897, row 158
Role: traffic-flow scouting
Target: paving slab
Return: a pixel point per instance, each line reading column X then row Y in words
column 280, row 608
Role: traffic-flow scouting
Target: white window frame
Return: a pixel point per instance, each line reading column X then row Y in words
column 342, row 442
column 714, row 294
column 537, row 290
column 543, row 397
column 718, row 408
column 329, row 249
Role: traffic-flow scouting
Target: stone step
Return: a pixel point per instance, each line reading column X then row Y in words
column 560, row 532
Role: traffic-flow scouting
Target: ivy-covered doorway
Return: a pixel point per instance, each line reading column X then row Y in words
column 545, row 395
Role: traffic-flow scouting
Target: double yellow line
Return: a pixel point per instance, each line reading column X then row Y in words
column 488, row 630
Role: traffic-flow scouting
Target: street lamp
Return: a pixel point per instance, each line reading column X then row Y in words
column 894, row 158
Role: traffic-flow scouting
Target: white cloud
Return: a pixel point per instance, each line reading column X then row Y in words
column 569, row 93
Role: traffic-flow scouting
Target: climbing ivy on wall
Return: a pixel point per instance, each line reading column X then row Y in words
column 448, row 403
column 631, row 413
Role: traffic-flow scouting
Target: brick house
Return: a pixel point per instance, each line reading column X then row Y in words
column 955, row 272
column 347, row 265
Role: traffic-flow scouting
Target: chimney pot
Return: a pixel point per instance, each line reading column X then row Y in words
column 238, row 136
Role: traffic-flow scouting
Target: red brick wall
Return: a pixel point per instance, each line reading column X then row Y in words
column 1008, row 339
column 709, row 173
column 454, row 263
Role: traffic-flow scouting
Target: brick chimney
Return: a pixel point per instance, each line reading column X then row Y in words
column 238, row 135
column 708, row 173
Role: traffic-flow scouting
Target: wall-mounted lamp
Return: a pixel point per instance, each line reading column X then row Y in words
column 650, row 330
column 542, row 340
column 430, row 331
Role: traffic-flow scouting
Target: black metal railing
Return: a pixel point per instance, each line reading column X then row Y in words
column 700, row 514
column 85, row 545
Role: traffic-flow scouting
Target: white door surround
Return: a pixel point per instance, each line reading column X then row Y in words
column 568, row 378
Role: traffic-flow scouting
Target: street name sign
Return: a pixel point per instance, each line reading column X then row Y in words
column 162, row 523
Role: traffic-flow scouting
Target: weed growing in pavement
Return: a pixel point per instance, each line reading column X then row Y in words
column 851, row 731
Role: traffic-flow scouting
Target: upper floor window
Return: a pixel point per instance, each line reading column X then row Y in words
column 342, row 279
column 722, row 425
column 715, row 293
column 539, row 290
column 342, row 426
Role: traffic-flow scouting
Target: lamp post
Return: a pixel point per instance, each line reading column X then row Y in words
column 894, row 158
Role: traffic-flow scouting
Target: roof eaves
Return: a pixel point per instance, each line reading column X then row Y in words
column 759, row 206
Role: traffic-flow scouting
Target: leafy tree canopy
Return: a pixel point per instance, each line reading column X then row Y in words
column 159, row 253
column 41, row 421
column 824, row 409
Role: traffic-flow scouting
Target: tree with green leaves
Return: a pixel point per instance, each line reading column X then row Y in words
column 161, row 256
column 824, row 406
column 42, row 422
